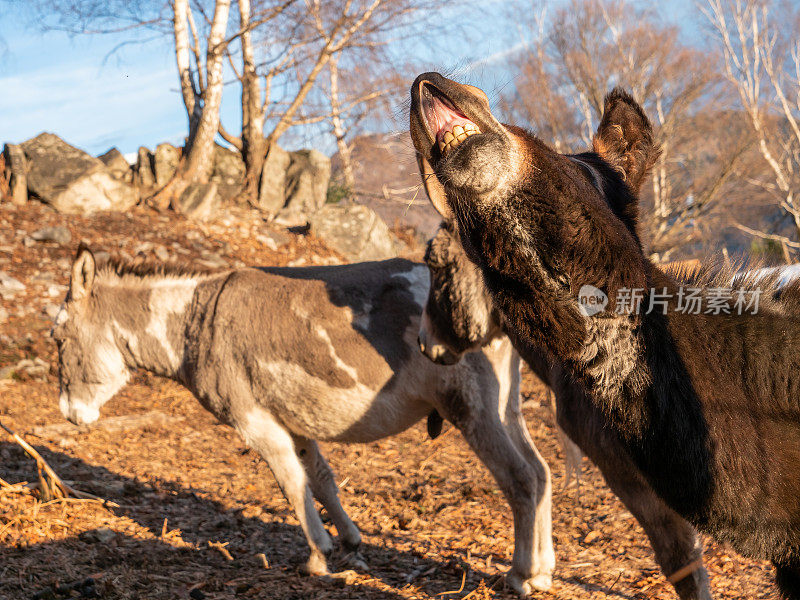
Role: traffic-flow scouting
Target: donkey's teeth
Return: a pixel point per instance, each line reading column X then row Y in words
column 450, row 140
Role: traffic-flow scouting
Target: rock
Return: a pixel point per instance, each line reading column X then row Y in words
column 145, row 174
column 42, row 276
column 51, row 310
column 272, row 191
column 354, row 231
column 199, row 201
column 116, row 163
column 228, row 172
column 307, row 180
column 161, row 253
column 212, row 260
column 165, row 163
column 3, row 315
column 9, row 286
column 71, row 180
column 16, row 173
column 36, row 368
column 56, row 291
column 58, row 234
column 291, row 219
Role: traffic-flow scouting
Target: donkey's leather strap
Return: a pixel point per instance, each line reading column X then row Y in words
column 685, row 571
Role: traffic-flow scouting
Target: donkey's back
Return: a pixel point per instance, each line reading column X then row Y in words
column 330, row 351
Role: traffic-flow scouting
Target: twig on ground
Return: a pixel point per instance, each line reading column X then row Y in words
column 51, row 486
column 221, row 547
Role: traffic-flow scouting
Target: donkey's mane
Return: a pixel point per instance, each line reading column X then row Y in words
column 143, row 268
column 741, row 274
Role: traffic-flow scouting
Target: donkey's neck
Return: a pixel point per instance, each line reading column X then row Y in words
column 149, row 317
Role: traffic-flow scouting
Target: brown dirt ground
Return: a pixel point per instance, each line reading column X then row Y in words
column 434, row 524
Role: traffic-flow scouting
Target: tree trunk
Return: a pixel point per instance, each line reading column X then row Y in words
column 339, row 130
column 254, row 145
column 197, row 162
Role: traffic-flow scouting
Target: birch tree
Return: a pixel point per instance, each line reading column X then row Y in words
column 575, row 55
column 762, row 62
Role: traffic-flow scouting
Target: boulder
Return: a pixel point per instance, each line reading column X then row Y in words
column 307, row 180
column 145, row 172
column 272, row 191
column 16, row 173
column 199, row 201
column 165, row 163
column 354, row 231
column 58, row 234
column 9, row 286
column 116, row 163
column 228, row 172
column 71, row 180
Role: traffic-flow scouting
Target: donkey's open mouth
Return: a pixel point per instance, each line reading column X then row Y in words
column 448, row 125
column 444, row 114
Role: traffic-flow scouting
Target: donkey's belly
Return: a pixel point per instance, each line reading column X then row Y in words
column 313, row 408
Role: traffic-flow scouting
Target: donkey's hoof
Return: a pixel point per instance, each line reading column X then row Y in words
column 356, row 561
column 526, row 587
column 316, row 565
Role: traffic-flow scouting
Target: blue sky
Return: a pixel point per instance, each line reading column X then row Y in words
column 72, row 87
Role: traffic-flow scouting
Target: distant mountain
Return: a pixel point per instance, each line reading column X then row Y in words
column 388, row 181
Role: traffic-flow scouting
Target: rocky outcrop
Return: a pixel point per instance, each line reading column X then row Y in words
column 228, row 172
column 116, row 163
column 145, row 170
column 71, row 180
column 272, row 192
column 165, row 163
column 354, row 231
column 199, row 201
column 16, row 173
column 307, row 180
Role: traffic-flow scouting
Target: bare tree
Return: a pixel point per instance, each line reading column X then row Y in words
column 572, row 60
column 278, row 88
column 201, row 89
column 762, row 62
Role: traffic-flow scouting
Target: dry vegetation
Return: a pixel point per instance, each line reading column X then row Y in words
column 197, row 510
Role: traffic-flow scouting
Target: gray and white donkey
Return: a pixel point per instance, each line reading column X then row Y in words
column 459, row 317
column 288, row 356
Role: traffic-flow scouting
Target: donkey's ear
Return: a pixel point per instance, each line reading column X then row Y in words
column 434, row 188
column 624, row 138
column 83, row 271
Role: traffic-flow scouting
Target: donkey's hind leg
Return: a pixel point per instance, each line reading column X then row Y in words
column 323, row 485
column 265, row 435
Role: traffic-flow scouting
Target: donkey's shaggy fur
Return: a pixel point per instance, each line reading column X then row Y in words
column 705, row 404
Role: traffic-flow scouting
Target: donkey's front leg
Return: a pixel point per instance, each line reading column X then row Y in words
column 321, row 480
column 519, row 483
column 265, row 435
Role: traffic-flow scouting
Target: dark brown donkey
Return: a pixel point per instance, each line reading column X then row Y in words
column 459, row 317
column 705, row 404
